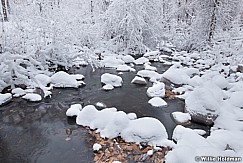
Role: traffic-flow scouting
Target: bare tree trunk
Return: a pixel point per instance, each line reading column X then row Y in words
column 4, row 8
column 212, row 22
column 92, row 11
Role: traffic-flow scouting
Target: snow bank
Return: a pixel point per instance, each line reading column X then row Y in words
column 157, row 102
column 112, row 123
column 111, row 79
column 157, row 90
column 190, row 145
column 32, row 97
column 4, row 98
column 74, row 110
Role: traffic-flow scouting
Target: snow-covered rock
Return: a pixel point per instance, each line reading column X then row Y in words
column 74, row 110
column 63, row 79
column 181, row 117
column 236, row 99
column 43, row 79
column 112, row 123
column 32, row 97
column 203, row 103
column 4, row 98
column 100, row 104
column 96, row 147
column 128, row 59
column 149, row 74
column 77, row 76
column 152, row 55
column 139, row 80
column 157, row 102
column 125, row 68
column 145, row 129
column 111, row 62
column 111, row 79
column 151, row 68
column 141, row 61
column 176, row 74
column 157, row 90
column 17, row 92
column 108, row 87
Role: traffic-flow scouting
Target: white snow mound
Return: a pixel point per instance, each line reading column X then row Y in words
column 112, row 123
column 157, row 102
column 32, row 97
column 157, row 90
column 74, row 110
column 63, row 79
column 111, row 79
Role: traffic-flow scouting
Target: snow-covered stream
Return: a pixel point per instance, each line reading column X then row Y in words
column 35, row 131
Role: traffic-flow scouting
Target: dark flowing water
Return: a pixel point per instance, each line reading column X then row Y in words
column 35, row 132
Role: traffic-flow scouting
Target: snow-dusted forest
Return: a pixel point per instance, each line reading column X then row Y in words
column 198, row 43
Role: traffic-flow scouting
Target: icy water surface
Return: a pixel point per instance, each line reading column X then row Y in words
column 35, row 132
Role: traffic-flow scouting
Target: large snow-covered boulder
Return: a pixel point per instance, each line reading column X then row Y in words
column 157, row 90
column 139, row 80
column 63, row 79
column 4, row 98
column 145, row 129
column 141, row 61
column 111, row 79
column 176, row 74
column 203, row 104
column 152, row 55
